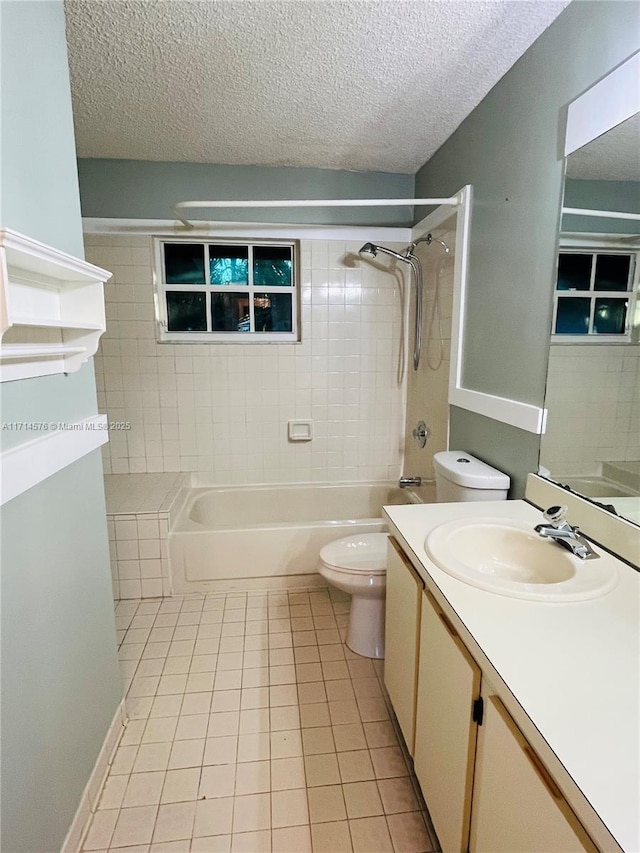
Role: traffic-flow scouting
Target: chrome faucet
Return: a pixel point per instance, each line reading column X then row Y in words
column 564, row 534
column 409, row 481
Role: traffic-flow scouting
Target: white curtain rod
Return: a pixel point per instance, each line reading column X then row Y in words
column 604, row 214
column 453, row 201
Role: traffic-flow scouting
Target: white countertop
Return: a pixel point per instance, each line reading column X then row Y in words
column 573, row 667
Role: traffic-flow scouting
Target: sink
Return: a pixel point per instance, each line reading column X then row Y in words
column 509, row 558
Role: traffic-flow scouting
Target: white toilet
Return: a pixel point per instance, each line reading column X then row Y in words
column 358, row 564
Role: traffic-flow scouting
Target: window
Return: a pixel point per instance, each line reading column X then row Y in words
column 594, row 296
column 235, row 292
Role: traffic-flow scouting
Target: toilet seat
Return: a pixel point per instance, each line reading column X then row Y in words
column 361, row 554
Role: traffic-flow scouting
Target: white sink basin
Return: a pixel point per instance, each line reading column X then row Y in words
column 510, row 558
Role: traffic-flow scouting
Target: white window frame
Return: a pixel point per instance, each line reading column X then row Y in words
column 592, row 247
column 252, row 337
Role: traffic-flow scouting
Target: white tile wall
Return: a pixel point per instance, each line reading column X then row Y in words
column 593, row 397
column 223, row 409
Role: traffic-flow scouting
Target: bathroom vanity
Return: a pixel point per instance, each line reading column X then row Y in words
column 521, row 715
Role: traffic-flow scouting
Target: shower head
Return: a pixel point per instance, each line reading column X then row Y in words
column 370, row 250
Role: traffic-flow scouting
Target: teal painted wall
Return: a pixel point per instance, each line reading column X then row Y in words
column 510, row 149
column 60, row 683
column 147, row 190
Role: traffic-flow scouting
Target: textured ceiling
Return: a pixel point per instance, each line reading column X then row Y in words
column 614, row 156
column 341, row 84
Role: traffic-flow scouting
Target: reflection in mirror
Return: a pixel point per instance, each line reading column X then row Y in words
column 592, row 442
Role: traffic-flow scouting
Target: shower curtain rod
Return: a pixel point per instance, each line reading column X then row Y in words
column 601, row 214
column 453, row 201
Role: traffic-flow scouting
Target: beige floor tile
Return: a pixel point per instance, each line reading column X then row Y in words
column 397, row 795
column 380, row 733
column 133, row 732
column 409, row 833
column 284, row 674
column 225, row 701
column 291, row 839
column 344, row 712
column 251, row 842
column 314, row 715
column 217, row 781
column 306, row 672
column 321, row 770
column 254, row 697
column 331, row 652
column 306, row 654
column 220, row 750
column 373, row 709
column 280, row 657
column 349, row 737
column 192, row 726
column 328, row 636
column 371, row 835
column 362, row 799
column 113, row 792
column 286, row 744
column 174, row 822
column 186, row 753
column 252, row 813
column 213, row 817
column 196, row 703
column 254, row 747
column 172, row 684
column 134, row 826
column 229, row 679
column 211, row 844
column 356, row 766
column 160, row 730
column 176, row 666
column 199, row 682
column 335, row 670
column 256, row 677
column 289, row 808
column 124, row 760
column 182, row 846
column 367, row 688
column 223, row 723
column 281, row 641
column 203, row 663
column 333, row 837
column 340, row 690
column 304, row 638
column 144, row 789
column 101, row 830
column 255, row 658
column 311, row 692
column 285, row 717
column 254, row 720
column 283, row 694
column 326, row 804
column 181, row 785
column 388, row 762
column 253, row 777
column 287, row 773
column 317, row 740
column 151, row 756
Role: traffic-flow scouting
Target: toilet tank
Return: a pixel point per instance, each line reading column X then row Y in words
column 462, row 477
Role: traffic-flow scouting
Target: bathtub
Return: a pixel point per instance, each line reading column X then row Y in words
column 261, row 536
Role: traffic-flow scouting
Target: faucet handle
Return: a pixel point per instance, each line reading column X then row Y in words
column 556, row 515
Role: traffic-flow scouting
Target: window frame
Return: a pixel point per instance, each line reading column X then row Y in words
column 593, row 249
column 250, row 289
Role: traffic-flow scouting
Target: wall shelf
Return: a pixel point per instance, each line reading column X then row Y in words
column 51, row 308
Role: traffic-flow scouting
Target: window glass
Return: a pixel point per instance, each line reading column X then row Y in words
column 229, row 264
column 272, row 266
column 273, row 312
column 186, row 312
column 572, row 317
column 184, row 263
column 610, row 316
column 230, row 312
column 574, row 271
column 612, row 272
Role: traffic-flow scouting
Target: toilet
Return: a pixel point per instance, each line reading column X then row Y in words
column 357, row 564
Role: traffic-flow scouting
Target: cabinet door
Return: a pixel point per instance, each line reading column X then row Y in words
column 448, row 684
column 517, row 807
column 402, row 622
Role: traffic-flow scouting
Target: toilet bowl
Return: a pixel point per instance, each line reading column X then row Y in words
column 358, row 565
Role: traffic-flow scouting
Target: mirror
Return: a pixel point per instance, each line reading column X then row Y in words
column 592, row 442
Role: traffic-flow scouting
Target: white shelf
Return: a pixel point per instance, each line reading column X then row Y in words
column 51, row 308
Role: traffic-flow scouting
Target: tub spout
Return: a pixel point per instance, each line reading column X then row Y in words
column 409, row 481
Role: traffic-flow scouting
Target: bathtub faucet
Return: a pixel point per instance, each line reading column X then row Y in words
column 410, row 481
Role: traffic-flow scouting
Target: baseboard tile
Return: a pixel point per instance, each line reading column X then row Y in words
column 93, row 789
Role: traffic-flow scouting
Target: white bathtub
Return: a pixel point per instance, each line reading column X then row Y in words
column 269, row 535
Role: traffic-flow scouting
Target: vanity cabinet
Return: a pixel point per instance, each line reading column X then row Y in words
column 402, row 620
column 486, row 789
column 445, row 741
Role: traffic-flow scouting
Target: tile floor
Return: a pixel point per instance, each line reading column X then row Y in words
column 254, row 729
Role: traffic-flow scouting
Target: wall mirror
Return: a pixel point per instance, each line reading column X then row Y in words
column 592, row 441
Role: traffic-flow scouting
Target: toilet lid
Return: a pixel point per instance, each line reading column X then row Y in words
column 365, row 553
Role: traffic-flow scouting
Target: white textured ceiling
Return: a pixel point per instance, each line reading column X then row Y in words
column 614, row 156
column 340, row 84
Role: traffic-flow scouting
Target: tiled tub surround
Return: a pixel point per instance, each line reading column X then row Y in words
column 139, row 513
column 223, row 408
column 593, row 397
column 253, row 728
